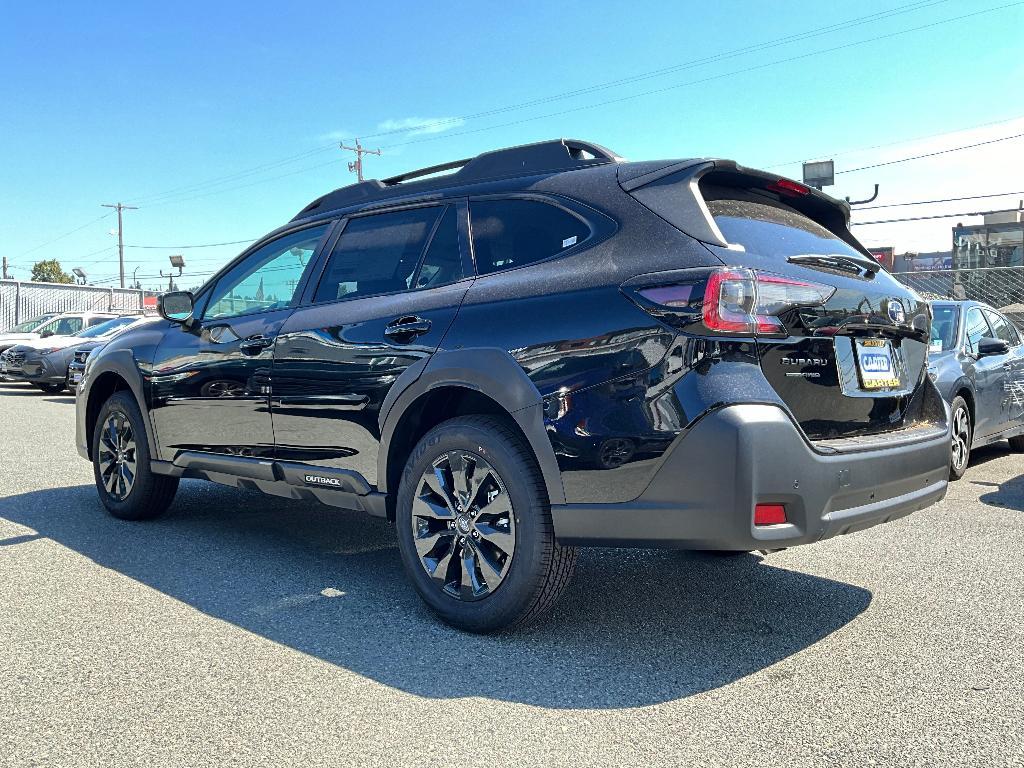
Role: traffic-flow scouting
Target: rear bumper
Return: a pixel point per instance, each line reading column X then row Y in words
column 704, row 494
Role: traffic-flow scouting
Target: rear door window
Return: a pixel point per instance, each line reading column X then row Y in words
column 773, row 229
column 63, row 326
column 378, row 254
column 515, row 232
column 442, row 263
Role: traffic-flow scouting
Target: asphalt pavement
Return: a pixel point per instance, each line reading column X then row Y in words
column 246, row 630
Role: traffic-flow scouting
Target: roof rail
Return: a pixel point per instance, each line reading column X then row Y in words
column 542, row 157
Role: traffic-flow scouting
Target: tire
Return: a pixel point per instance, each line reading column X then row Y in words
column 1017, row 444
column 144, row 495
column 960, row 444
column 511, row 581
column 50, row 389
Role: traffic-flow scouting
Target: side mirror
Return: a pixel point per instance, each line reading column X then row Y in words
column 46, row 334
column 989, row 346
column 176, row 306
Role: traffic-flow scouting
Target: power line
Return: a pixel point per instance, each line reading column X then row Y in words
column 934, row 202
column 200, row 245
column 594, row 105
column 215, row 181
column 66, row 234
column 933, row 154
column 244, row 186
column 937, row 216
column 817, row 32
column 710, row 78
column 774, row 43
column 910, row 140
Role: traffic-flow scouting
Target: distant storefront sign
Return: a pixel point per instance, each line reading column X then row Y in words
column 928, row 263
column 884, row 256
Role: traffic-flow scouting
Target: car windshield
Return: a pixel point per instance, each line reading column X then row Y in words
column 104, row 328
column 31, row 325
column 944, row 324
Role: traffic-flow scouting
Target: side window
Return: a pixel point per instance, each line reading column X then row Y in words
column 511, row 233
column 96, row 320
column 442, row 263
column 68, row 325
column 977, row 329
column 377, row 254
column 267, row 278
column 1001, row 329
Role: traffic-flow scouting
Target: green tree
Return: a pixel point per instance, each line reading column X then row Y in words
column 50, row 271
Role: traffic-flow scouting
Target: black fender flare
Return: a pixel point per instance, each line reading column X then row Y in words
column 121, row 363
column 492, row 372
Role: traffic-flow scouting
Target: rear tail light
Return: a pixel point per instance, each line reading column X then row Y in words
column 789, row 188
column 769, row 514
column 737, row 301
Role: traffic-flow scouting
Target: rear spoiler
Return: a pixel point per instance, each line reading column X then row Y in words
column 673, row 192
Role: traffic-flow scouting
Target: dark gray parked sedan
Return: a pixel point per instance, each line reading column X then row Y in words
column 976, row 359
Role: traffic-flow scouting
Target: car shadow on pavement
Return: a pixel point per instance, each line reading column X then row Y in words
column 634, row 628
column 1005, row 495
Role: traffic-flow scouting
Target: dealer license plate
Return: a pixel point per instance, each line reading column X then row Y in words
column 874, row 360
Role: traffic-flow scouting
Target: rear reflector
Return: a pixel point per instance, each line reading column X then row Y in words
column 769, row 514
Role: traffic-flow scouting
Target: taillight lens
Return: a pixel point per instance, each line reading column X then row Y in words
column 738, row 301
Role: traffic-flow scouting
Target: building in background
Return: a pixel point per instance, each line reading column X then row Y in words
column 998, row 242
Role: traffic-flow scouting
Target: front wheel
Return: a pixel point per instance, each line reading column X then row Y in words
column 960, row 447
column 474, row 527
column 50, row 389
column 127, row 486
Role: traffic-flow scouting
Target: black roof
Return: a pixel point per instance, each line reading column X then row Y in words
column 553, row 156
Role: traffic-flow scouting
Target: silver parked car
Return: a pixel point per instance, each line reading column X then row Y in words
column 976, row 359
column 44, row 362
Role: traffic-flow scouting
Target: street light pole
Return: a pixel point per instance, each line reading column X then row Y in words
column 120, row 232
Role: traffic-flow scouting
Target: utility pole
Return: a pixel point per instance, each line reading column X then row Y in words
column 356, row 166
column 6, row 274
column 120, row 232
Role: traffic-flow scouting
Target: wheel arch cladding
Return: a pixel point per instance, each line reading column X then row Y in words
column 457, row 383
column 114, row 378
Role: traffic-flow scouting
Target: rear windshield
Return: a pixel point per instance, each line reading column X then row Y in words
column 774, row 230
column 944, row 323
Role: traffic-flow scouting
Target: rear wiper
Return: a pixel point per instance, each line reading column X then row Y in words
column 836, row 261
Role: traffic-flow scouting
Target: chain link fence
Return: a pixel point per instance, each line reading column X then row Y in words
column 1000, row 287
column 23, row 301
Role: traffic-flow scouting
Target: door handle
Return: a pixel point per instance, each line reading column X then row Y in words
column 406, row 328
column 255, row 344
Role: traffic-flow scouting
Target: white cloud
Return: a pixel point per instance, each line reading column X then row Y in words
column 419, row 126
column 334, row 136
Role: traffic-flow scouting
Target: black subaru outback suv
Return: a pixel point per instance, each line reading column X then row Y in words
column 538, row 348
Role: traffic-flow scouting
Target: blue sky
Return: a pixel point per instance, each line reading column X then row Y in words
column 129, row 102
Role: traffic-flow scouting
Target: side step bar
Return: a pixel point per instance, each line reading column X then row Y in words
column 340, row 488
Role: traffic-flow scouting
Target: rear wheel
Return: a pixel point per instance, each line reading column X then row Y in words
column 474, row 527
column 127, row 486
column 1017, row 444
column 960, row 447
